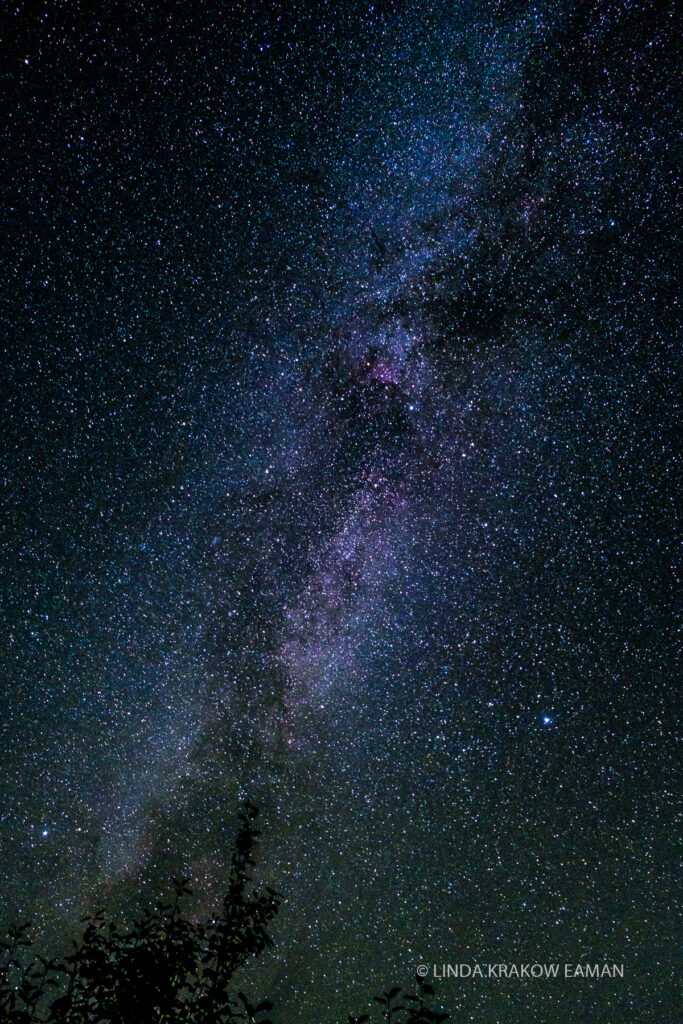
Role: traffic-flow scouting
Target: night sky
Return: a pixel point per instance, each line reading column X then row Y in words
column 338, row 470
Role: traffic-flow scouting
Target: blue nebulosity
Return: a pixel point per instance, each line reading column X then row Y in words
column 338, row 452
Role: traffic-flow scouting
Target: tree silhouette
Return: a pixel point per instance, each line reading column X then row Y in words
column 167, row 968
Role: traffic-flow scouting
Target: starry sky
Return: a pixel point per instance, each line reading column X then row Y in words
column 338, row 470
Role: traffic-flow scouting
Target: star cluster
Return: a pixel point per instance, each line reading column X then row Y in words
column 338, row 470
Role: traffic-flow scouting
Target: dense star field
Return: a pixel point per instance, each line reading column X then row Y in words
column 338, row 471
